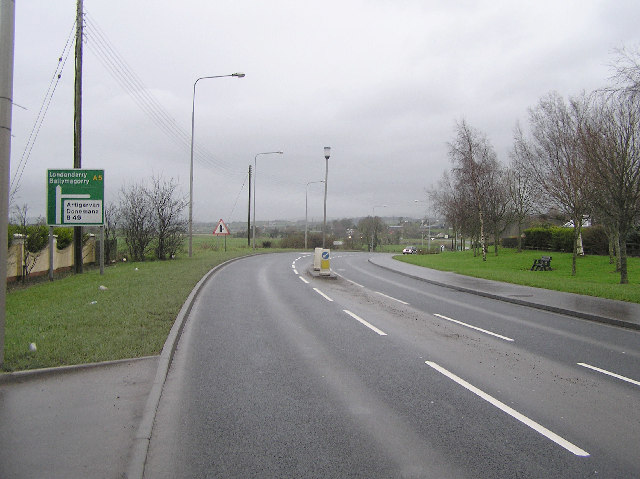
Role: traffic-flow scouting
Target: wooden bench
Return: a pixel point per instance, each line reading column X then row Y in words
column 542, row 264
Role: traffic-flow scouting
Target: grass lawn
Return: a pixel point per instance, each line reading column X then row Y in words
column 594, row 275
column 73, row 321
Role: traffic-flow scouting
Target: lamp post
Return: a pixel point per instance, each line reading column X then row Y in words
column 327, row 154
column 373, row 210
column 255, row 174
column 306, row 209
column 429, row 225
column 193, row 109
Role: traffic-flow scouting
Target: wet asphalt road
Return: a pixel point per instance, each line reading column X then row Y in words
column 279, row 374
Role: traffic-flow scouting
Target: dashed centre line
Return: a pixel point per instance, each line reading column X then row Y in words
column 367, row 324
column 609, row 373
column 391, row 297
column 473, row 327
column 512, row 412
column 322, row 294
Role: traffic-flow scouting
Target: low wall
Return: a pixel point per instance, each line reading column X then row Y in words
column 62, row 259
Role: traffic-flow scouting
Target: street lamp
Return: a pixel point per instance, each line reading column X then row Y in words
column 193, row 109
column 306, row 209
column 327, row 154
column 255, row 174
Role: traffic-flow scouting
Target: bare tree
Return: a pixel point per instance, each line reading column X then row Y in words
column 170, row 226
column 626, row 71
column 111, row 220
column 454, row 203
column 558, row 163
column 371, row 227
column 136, row 216
column 519, row 183
column 473, row 159
column 611, row 142
column 444, row 200
column 497, row 204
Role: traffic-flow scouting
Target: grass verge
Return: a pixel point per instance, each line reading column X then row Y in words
column 594, row 275
column 75, row 321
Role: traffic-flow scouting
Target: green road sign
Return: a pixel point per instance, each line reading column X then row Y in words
column 75, row 197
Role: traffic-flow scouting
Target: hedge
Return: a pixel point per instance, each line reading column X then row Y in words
column 38, row 236
column 553, row 238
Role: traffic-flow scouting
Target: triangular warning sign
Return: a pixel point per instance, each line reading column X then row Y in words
column 221, row 229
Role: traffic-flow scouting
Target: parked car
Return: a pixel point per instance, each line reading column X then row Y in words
column 410, row 250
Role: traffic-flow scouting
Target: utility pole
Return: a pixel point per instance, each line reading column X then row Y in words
column 249, row 215
column 77, row 129
column 7, row 29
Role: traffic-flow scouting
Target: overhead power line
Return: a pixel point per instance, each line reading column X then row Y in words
column 238, row 197
column 119, row 69
column 44, row 108
column 107, row 54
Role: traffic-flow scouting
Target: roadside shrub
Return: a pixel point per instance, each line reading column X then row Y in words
column 551, row 238
column 633, row 243
column 595, row 241
column 562, row 239
column 65, row 237
column 37, row 238
column 266, row 244
column 296, row 240
column 293, row 240
column 537, row 238
column 510, row 242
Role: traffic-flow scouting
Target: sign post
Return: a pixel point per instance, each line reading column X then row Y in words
column 75, row 197
column 222, row 230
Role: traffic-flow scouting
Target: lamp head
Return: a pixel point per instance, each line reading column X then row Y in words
column 239, row 75
column 327, row 152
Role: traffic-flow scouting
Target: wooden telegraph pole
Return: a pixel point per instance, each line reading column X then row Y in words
column 77, row 129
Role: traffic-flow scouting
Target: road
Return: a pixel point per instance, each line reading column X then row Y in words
column 279, row 374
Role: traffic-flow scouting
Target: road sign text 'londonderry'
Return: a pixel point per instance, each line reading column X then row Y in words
column 75, row 197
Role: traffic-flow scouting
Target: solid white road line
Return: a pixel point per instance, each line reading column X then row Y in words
column 609, row 373
column 368, row 325
column 512, row 412
column 473, row 327
column 304, row 280
column 322, row 294
column 391, row 297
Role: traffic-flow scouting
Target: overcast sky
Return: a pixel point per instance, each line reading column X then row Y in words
column 381, row 82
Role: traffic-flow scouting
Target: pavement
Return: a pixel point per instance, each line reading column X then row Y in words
column 617, row 313
column 74, row 422
column 95, row 421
